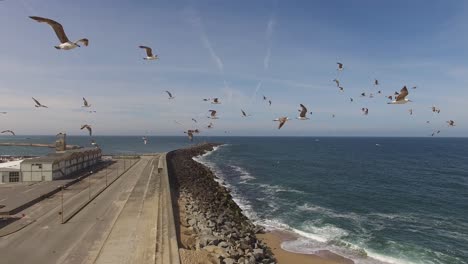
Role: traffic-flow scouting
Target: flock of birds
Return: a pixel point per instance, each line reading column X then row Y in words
column 65, row 44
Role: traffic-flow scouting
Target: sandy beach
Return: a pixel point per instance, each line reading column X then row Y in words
column 274, row 239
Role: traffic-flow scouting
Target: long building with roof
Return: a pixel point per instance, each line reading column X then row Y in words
column 59, row 164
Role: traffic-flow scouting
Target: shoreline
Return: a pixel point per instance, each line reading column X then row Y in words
column 275, row 238
column 194, row 224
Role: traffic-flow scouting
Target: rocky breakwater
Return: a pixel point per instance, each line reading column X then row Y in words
column 212, row 227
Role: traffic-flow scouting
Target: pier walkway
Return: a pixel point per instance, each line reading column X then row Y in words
column 129, row 221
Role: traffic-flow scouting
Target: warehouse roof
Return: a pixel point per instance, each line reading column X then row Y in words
column 63, row 155
column 11, row 165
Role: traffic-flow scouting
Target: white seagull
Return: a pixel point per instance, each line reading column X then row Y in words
column 282, row 121
column 38, row 104
column 216, row 101
column 401, row 97
column 210, row 125
column 170, row 95
column 65, row 43
column 149, row 53
column 302, row 115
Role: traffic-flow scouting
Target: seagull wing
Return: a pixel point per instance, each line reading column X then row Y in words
column 149, row 52
column 85, row 103
column 403, row 94
column 55, row 25
column 243, row 113
column 282, row 122
column 303, row 111
column 8, row 131
column 36, row 101
column 85, row 41
column 170, row 95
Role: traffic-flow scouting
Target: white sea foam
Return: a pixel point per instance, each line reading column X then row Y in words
column 312, row 238
column 244, row 174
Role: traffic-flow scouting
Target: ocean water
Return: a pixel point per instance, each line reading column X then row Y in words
column 375, row 200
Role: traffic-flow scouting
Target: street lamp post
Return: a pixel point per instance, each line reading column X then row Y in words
column 89, row 186
column 61, row 213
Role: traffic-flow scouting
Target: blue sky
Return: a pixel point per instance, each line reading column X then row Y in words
column 237, row 51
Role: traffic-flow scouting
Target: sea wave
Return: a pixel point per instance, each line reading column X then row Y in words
column 312, row 236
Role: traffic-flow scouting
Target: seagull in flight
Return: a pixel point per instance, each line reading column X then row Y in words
column 351, row 99
column 170, row 95
column 85, row 103
column 189, row 134
column 303, row 113
column 365, row 111
column 8, row 131
column 216, row 101
column 337, row 82
column 450, row 123
column 340, row 66
column 269, row 102
column 244, row 114
column 264, row 98
column 149, row 53
column 88, row 127
column 65, row 43
column 194, row 120
column 401, row 97
column 341, row 89
column 363, row 94
column 210, row 125
column 376, row 82
column 38, row 104
column 282, row 121
column 410, row 111
column 145, row 140
column 213, row 114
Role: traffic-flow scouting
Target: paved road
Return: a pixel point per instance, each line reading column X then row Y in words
column 80, row 240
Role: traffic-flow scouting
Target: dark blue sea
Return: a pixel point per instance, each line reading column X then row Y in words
column 394, row 200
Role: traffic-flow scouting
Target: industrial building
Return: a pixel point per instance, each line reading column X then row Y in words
column 58, row 165
column 10, row 171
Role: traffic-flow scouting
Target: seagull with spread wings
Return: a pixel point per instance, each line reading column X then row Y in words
column 215, row 101
column 149, row 53
column 65, row 43
column 38, row 104
column 340, row 66
column 282, row 121
column 401, row 97
column 303, row 113
column 450, row 123
column 8, row 131
column 88, row 127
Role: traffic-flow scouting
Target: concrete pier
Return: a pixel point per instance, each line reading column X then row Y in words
column 130, row 221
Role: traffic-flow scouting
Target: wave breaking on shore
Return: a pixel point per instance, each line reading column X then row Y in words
column 309, row 239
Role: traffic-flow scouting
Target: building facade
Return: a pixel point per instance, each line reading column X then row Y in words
column 58, row 165
column 10, row 171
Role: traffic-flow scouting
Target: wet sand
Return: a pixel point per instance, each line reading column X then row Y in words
column 274, row 239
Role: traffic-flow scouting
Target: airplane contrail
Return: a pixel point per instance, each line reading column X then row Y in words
column 268, row 35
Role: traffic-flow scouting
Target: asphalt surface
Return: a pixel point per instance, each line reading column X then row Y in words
column 85, row 237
